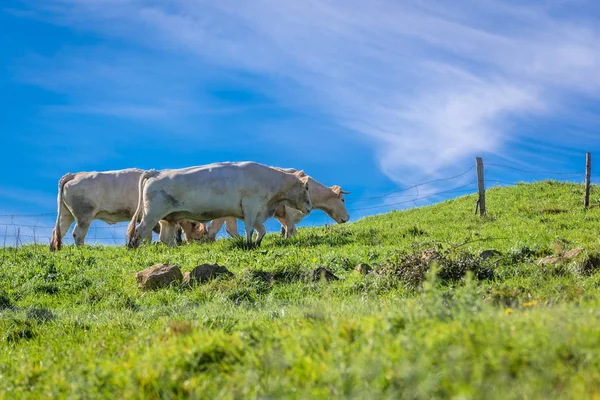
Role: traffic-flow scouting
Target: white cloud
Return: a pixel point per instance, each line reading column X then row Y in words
column 432, row 83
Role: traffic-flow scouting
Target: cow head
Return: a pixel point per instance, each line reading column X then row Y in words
column 193, row 231
column 334, row 204
column 298, row 195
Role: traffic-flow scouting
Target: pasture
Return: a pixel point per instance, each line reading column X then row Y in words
column 74, row 324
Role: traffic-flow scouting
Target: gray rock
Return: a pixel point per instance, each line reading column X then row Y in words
column 158, row 276
column 489, row 254
column 363, row 269
column 205, row 272
column 324, row 274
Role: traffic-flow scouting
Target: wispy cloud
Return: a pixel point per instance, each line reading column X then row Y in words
column 429, row 82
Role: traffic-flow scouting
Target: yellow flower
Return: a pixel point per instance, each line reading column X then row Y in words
column 314, row 259
column 508, row 311
column 529, row 303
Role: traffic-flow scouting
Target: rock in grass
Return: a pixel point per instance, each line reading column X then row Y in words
column 363, row 269
column 489, row 254
column 549, row 260
column 568, row 256
column 5, row 303
column 324, row 274
column 205, row 272
column 158, row 276
column 430, row 255
column 573, row 253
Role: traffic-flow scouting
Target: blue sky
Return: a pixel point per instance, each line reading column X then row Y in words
column 373, row 96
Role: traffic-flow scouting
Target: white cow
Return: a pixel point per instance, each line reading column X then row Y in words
column 328, row 199
column 245, row 190
column 110, row 196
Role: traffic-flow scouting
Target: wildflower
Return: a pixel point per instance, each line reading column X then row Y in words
column 508, row 311
column 314, row 259
column 529, row 303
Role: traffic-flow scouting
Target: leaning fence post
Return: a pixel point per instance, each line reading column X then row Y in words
column 480, row 186
column 588, row 175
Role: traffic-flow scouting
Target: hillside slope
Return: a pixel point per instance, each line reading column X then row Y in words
column 436, row 324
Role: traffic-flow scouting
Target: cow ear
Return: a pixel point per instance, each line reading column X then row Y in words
column 300, row 174
column 305, row 179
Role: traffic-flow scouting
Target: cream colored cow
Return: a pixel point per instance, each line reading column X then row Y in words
column 110, row 196
column 328, row 199
column 245, row 190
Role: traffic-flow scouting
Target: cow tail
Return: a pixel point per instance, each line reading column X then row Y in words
column 56, row 241
column 131, row 227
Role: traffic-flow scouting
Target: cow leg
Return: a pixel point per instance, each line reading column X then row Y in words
column 249, row 226
column 283, row 222
column 143, row 232
column 66, row 219
column 81, row 228
column 292, row 231
column 290, row 227
column 214, row 228
column 231, row 226
column 167, row 232
column 249, row 222
column 261, row 231
column 251, row 210
column 178, row 235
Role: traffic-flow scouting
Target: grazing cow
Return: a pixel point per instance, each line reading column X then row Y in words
column 328, row 199
column 110, row 196
column 245, row 190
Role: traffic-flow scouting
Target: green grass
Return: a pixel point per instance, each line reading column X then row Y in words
column 74, row 323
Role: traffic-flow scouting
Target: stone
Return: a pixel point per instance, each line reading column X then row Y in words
column 363, row 269
column 324, row 274
column 158, row 276
column 205, row 272
column 573, row 253
column 430, row 255
column 489, row 254
column 568, row 256
column 549, row 260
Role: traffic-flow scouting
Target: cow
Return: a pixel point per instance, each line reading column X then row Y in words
column 110, row 196
column 247, row 190
column 328, row 199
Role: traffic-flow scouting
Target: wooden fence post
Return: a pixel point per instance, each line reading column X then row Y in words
column 588, row 175
column 480, row 186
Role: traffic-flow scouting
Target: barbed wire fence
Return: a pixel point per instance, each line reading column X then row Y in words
column 19, row 229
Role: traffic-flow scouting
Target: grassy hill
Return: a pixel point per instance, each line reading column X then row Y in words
column 442, row 323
